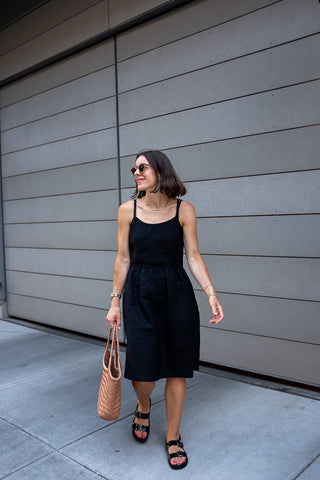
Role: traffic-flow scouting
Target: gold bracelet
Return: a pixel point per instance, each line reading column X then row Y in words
column 209, row 285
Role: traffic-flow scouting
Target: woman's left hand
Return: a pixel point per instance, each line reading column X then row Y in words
column 217, row 309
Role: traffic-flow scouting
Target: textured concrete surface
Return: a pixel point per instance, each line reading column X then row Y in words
column 49, row 427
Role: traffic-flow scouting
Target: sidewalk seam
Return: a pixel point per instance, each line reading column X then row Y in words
column 26, row 465
column 54, row 450
column 306, row 467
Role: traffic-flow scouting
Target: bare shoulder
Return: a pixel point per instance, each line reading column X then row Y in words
column 126, row 211
column 126, row 206
column 187, row 212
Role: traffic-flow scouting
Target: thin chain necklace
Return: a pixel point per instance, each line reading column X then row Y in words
column 156, row 209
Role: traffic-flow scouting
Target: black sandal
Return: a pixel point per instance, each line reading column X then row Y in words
column 137, row 427
column 176, row 443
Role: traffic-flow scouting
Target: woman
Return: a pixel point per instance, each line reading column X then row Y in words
column 161, row 317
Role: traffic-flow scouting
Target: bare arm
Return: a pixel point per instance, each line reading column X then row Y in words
column 195, row 261
column 122, row 262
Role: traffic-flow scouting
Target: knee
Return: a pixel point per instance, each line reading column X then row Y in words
column 176, row 381
column 144, row 387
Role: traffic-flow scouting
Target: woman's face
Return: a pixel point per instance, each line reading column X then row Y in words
column 146, row 180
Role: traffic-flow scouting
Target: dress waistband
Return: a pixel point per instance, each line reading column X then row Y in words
column 155, row 265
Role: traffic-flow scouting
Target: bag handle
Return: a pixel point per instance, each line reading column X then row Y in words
column 114, row 337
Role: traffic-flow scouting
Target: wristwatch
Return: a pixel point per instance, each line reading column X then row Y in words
column 115, row 295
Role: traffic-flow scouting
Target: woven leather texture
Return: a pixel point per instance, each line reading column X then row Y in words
column 109, row 397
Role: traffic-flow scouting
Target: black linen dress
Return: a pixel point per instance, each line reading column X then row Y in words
column 160, row 312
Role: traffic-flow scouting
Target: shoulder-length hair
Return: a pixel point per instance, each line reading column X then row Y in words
column 169, row 182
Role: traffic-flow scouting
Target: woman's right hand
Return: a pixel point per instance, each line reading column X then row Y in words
column 114, row 317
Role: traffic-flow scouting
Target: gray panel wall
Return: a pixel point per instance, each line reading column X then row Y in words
column 2, row 260
column 60, row 188
column 230, row 91
column 57, row 26
column 235, row 105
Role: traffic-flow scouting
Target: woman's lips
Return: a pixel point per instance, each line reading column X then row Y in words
column 139, row 180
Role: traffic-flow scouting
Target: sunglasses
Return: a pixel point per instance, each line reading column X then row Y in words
column 141, row 168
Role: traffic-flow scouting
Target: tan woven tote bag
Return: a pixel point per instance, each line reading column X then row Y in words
column 109, row 398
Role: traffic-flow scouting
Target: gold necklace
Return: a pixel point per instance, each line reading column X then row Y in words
column 156, row 209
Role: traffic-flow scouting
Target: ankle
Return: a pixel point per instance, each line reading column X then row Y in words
column 144, row 406
column 173, row 436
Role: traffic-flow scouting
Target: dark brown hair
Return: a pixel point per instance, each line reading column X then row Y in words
column 169, row 182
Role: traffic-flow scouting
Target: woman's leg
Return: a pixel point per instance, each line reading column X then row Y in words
column 175, row 392
column 143, row 391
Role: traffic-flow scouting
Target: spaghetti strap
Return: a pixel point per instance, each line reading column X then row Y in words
column 178, row 206
column 134, row 207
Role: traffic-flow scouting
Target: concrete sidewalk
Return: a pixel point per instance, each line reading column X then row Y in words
column 49, row 428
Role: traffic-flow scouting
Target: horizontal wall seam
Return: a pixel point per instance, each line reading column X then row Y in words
column 225, row 139
column 60, row 195
column 78, row 277
column 284, row 172
column 189, row 35
column 51, row 28
column 201, row 326
column 243, row 255
column 227, row 100
column 110, row 280
column 71, row 165
column 60, row 140
column 220, row 292
column 262, row 374
column 201, row 105
column 46, row 222
column 66, row 249
column 39, row 93
column 237, row 255
column 262, row 296
column 260, row 216
column 57, row 301
column 112, row 65
column 265, row 132
column 56, row 86
column 99, row 38
column 198, row 217
column 186, row 182
column 262, row 336
column 58, row 113
column 216, row 64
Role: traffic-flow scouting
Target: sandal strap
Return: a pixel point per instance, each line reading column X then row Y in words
column 177, row 454
column 180, row 454
column 176, row 443
column 141, row 416
column 140, row 428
